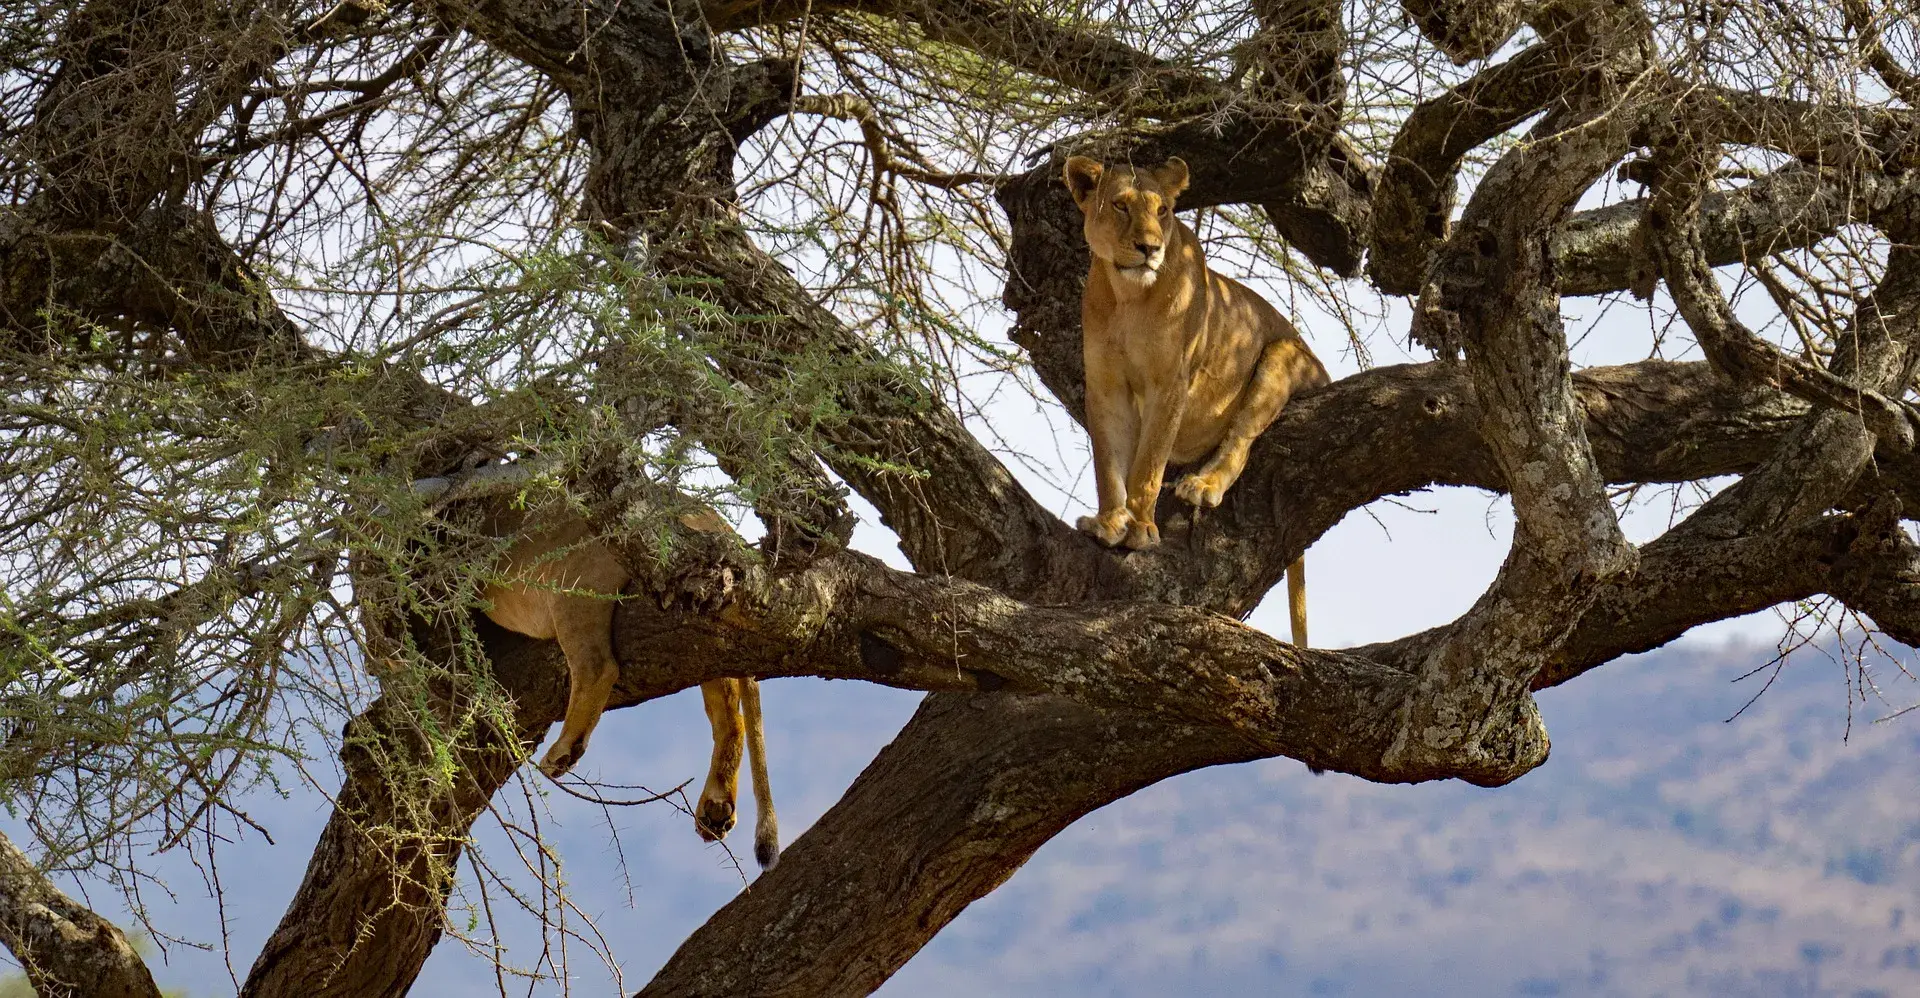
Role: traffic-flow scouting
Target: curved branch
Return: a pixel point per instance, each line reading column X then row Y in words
column 1494, row 296
column 1493, row 293
column 1898, row 78
column 1413, row 208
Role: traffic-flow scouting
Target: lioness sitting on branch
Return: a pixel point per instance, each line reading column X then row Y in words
column 1181, row 362
column 557, row 582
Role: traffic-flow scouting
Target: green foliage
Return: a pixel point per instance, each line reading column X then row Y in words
column 189, row 605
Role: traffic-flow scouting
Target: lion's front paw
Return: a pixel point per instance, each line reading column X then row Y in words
column 1143, row 535
column 562, row 757
column 1200, row 490
column 1107, row 528
column 713, row 819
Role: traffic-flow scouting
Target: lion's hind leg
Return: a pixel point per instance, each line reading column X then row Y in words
column 1285, row 366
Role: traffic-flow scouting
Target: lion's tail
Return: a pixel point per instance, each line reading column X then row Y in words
column 766, row 825
column 1297, row 599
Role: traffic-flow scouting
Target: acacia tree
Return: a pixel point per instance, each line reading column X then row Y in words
column 284, row 285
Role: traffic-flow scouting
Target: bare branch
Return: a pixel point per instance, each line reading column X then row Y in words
column 1600, row 250
column 1674, row 236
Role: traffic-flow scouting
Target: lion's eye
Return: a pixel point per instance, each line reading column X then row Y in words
column 1121, row 208
column 1166, row 208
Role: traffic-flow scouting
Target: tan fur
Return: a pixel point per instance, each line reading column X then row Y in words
column 557, row 582
column 1183, row 364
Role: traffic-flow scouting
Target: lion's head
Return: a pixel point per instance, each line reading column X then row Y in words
column 1129, row 212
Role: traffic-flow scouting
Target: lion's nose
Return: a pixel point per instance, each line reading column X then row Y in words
column 1147, row 249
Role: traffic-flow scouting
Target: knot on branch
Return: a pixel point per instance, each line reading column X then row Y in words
column 1519, row 745
column 1485, row 745
column 758, row 92
column 1436, row 326
column 696, row 568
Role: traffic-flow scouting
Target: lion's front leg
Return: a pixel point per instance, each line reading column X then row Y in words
column 1159, row 425
column 584, row 627
column 719, row 798
column 1114, row 426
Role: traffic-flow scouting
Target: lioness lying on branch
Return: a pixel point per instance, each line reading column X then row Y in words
column 1181, row 362
column 558, row 583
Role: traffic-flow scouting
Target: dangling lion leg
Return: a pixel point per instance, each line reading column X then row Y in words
column 585, row 633
column 1297, row 600
column 713, row 817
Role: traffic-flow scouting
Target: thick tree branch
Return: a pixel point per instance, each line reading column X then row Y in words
column 1600, row 250
column 66, row 949
column 848, row 616
column 371, row 906
column 958, row 802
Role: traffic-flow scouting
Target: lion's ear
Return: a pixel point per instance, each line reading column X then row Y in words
column 1083, row 177
column 1172, row 176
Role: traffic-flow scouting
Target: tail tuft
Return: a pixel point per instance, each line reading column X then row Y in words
column 766, row 849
